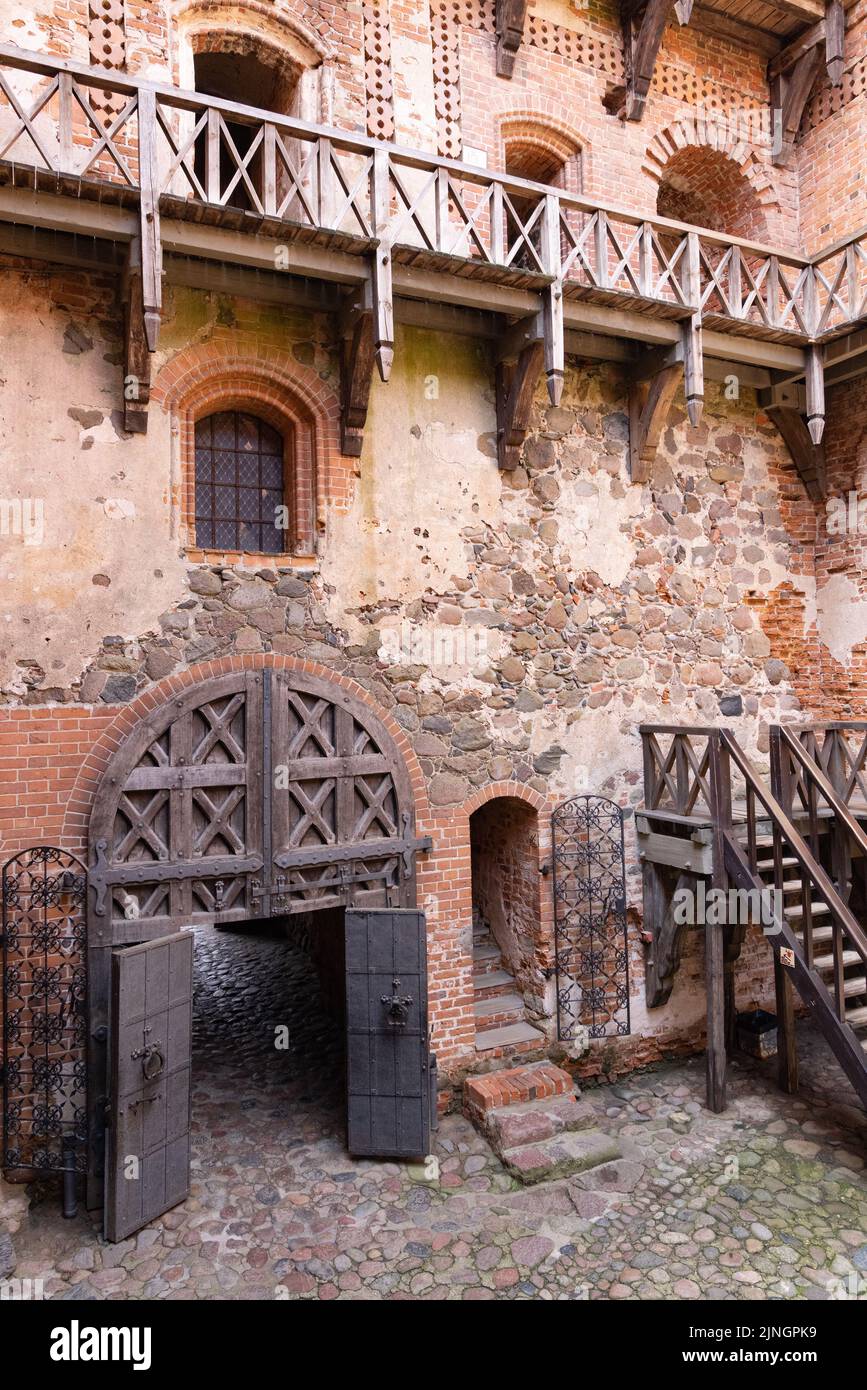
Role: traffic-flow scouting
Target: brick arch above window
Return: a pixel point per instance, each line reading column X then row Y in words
column 202, row 381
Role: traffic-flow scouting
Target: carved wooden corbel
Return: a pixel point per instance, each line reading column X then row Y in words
column 653, row 384
column 137, row 350
column 642, row 36
column 790, row 92
column 357, row 361
column 799, row 414
column 516, row 382
column 511, row 16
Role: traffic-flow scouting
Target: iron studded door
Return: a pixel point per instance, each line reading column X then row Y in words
column 148, row 1168
column 388, row 1098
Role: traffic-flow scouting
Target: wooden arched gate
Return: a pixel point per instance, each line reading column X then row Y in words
column 257, row 794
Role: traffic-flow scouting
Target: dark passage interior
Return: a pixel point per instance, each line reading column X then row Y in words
column 268, row 1044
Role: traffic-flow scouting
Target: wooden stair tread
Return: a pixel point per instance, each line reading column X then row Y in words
column 817, row 910
column 827, row 962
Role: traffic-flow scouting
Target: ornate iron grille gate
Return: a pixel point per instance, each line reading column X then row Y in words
column 44, row 1011
column 591, row 955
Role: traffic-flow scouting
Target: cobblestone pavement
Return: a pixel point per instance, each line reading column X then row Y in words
column 766, row 1201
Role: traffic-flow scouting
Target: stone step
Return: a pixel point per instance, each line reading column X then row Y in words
column 486, row 958
column 516, row 1126
column 567, row 1153
column 497, row 1009
column 492, row 982
column 511, row 1035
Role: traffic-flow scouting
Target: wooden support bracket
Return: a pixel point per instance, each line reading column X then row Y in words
column 526, row 349
column 790, row 92
column 511, row 16
column 516, row 386
column 664, row 930
column 137, row 350
column 143, row 279
column 642, row 36
column 799, row 414
column 652, row 387
column 357, row 360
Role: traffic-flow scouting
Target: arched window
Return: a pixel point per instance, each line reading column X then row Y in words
column 240, row 484
column 543, row 155
column 708, row 189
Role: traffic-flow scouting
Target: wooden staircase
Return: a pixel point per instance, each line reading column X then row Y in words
column 801, row 833
column 502, row 1029
column 821, row 935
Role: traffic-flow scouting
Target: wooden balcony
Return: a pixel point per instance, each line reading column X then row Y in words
column 104, row 170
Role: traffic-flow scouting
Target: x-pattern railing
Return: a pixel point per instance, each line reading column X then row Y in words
column 181, row 147
column 840, row 749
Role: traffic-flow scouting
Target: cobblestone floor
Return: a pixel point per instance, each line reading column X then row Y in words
column 766, row 1201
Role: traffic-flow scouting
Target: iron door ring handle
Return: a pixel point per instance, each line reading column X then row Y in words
column 152, row 1063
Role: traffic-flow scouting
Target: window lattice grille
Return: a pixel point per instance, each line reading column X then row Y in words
column 239, row 484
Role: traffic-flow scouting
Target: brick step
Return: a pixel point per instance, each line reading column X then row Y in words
column 513, row 1035
column 498, row 1009
column 857, row 1017
column 515, row 1126
column 514, row 1086
column 492, row 982
column 570, row 1152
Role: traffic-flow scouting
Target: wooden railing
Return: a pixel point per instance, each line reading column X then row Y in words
column 87, row 130
column 840, row 749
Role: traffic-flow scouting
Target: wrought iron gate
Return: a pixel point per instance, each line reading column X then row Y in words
column 44, row 1011
column 591, row 953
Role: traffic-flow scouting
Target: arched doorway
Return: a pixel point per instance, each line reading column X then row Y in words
column 258, row 794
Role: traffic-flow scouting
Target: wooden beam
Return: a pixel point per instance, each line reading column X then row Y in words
column 641, row 40
column 835, row 31
column 381, row 266
column 511, row 16
column 149, row 212
column 787, row 57
column 814, row 382
column 516, row 387
column 725, row 26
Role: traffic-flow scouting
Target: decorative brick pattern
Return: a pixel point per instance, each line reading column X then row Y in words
column 445, row 40
column 378, row 83
column 106, row 32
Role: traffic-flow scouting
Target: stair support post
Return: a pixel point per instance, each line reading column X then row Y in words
column 787, row 1042
column 714, row 933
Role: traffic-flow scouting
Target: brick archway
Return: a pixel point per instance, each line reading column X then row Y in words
column 730, row 169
